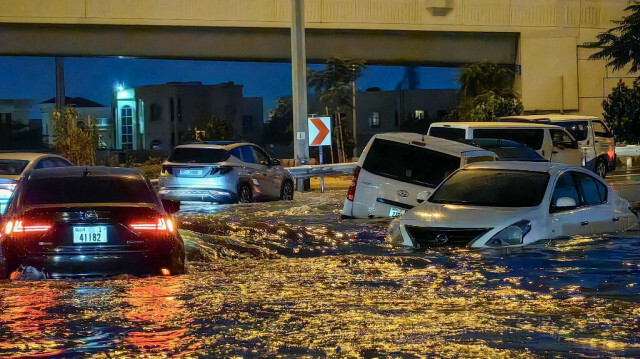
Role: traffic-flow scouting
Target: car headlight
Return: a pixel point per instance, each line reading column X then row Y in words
column 394, row 235
column 510, row 236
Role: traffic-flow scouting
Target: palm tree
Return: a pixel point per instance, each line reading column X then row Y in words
column 481, row 77
column 334, row 84
column 487, row 93
column 621, row 44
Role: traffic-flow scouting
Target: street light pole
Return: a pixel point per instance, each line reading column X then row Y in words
column 299, row 94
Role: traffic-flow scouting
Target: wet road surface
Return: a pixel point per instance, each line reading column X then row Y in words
column 293, row 280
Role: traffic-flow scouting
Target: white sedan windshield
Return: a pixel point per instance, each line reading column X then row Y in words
column 493, row 188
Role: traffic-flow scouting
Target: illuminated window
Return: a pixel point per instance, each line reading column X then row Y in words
column 418, row 115
column 126, row 117
column 374, row 119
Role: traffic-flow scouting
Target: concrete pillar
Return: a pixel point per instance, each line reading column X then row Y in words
column 299, row 79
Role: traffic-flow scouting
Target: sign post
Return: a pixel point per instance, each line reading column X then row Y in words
column 320, row 136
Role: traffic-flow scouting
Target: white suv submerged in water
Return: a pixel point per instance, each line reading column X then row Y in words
column 223, row 172
column 395, row 167
column 594, row 137
column 504, row 204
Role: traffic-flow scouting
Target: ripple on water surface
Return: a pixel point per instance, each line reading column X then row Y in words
column 291, row 279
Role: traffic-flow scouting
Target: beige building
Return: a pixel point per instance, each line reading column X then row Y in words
column 155, row 117
column 543, row 37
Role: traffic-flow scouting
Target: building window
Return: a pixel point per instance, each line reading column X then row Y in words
column 172, row 110
column 247, row 122
column 126, row 120
column 155, row 112
column 418, row 115
column 374, row 119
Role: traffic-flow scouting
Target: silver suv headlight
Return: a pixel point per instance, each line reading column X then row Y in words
column 510, row 236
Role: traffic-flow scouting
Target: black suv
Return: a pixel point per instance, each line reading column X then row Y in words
column 89, row 221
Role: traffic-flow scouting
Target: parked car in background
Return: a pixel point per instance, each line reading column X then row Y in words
column 395, row 167
column 507, row 150
column 90, row 221
column 224, row 172
column 13, row 165
column 551, row 142
column 505, row 204
column 594, row 137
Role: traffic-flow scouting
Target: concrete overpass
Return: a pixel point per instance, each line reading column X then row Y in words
column 542, row 36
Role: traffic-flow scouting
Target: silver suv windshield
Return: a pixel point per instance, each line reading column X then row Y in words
column 198, row 155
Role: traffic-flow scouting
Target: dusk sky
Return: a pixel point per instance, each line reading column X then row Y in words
column 94, row 78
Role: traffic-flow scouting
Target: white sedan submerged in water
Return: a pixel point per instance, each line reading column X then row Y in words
column 499, row 204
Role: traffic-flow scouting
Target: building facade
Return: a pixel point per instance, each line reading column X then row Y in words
column 155, row 117
column 400, row 110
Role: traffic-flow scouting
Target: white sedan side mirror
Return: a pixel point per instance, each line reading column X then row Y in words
column 565, row 202
column 423, row 196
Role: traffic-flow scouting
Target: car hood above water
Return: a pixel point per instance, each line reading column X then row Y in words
column 465, row 216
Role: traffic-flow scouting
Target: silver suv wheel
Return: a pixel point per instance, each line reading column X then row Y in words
column 287, row 191
column 601, row 168
column 244, row 195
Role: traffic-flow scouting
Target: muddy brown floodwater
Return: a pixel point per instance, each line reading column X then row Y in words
column 293, row 280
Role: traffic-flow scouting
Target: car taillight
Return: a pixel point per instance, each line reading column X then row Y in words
column 221, row 170
column 162, row 225
column 19, row 227
column 354, row 182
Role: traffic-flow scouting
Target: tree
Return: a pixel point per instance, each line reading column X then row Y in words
column 335, row 86
column 622, row 112
column 75, row 140
column 280, row 128
column 620, row 45
column 215, row 129
column 481, row 77
column 490, row 106
column 487, row 93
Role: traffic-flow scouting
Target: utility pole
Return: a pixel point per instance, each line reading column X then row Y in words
column 353, row 116
column 299, row 77
column 60, row 95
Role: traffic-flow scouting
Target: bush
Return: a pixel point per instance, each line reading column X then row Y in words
column 622, row 112
column 75, row 141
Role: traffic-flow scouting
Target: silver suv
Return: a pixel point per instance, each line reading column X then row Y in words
column 223, row 172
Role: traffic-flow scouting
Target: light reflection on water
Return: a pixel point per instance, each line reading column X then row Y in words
column 290, row 280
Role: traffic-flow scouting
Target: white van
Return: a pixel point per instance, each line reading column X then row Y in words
column 552, row 142
column 395, row 167
column 594, row 137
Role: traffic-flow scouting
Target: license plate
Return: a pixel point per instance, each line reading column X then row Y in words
column 396, row 212
column 93, row 234
column 191, row 172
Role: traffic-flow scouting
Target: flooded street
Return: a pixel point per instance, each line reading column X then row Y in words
column 293, row 280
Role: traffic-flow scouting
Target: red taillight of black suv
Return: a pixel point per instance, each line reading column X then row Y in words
column 19, row 228
column 351, row 193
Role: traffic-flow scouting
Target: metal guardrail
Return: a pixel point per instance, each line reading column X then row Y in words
column 308, row 171
column 628, row 151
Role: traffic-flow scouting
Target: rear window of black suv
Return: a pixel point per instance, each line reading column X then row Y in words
column 108, row 189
